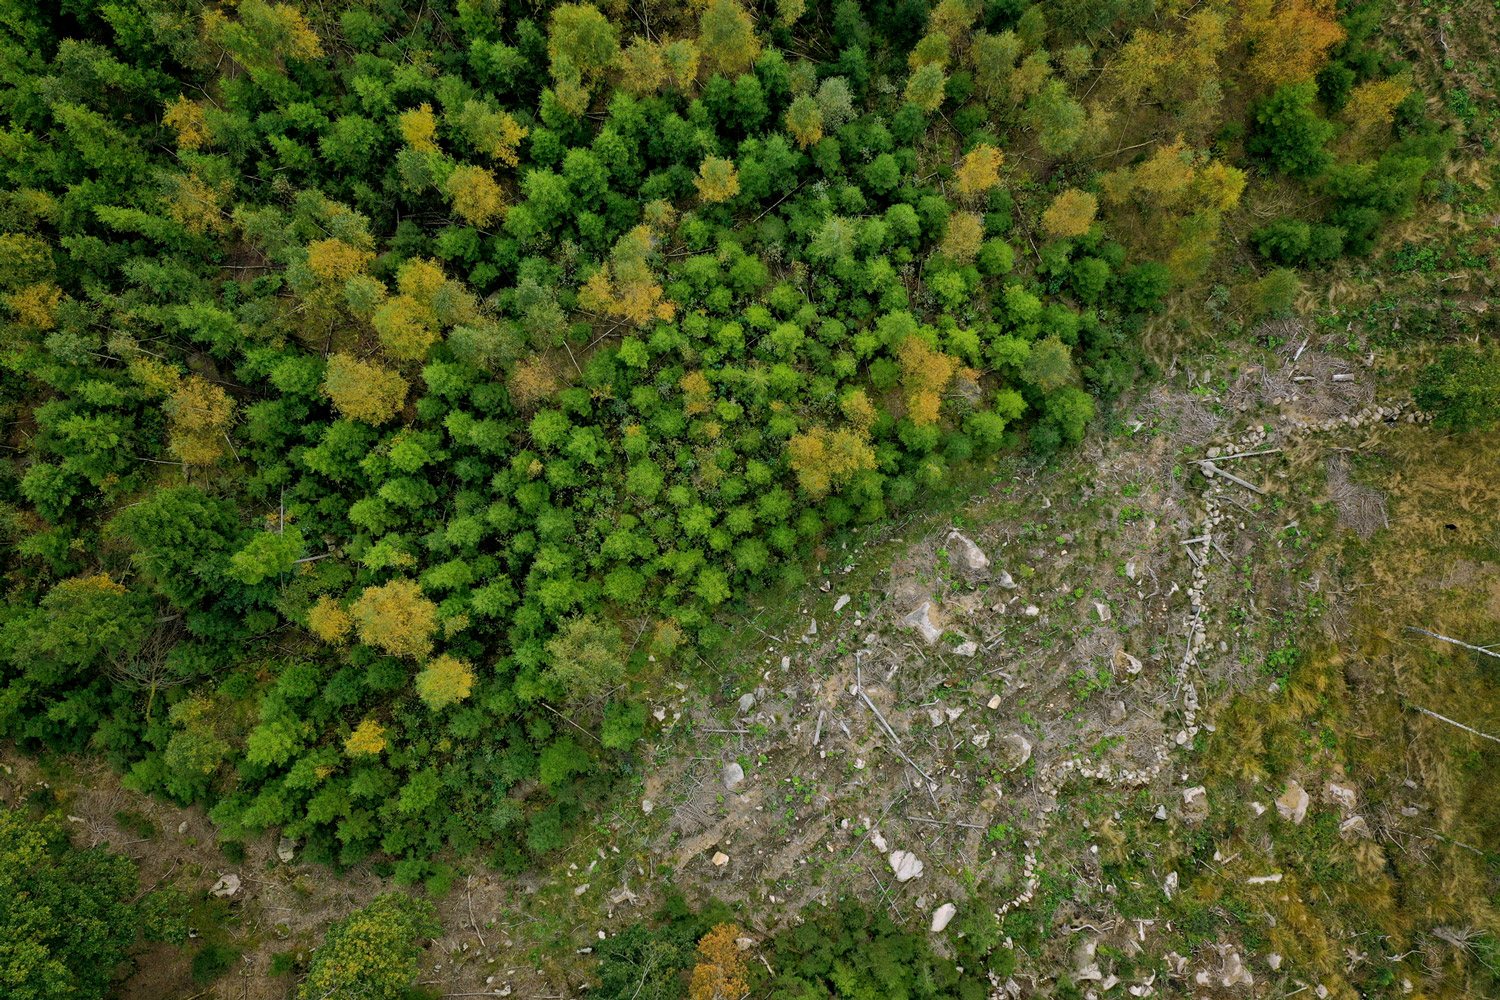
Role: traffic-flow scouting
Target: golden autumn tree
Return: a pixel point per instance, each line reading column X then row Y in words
column 35, row 305
column 717, row 179
column 367, row 738
column 410, row 322
column 199, row 416
column 643, row 71
column 198, row 205
column 804, row 121
column 418, row 128
column 978, row 172
column 720, row 971
column 187, row 119
column 396, row 617
column 329, row 620
column 625, row 286
column 362, row 390
column 1371, row 108
column 926, row 374
column 493, row 133
column 963, row 237
column 533, row 380
column 824, row 459
column 445, row 680
column 726, row 38
column 1288, row 40
column 475, row 195
column 334, row 261
column 1070, row 214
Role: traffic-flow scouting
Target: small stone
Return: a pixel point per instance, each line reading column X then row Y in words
column 1102, row 610
column 1124, row 661
column 1271, row 879
column 286, row 849
column 1195, row 803
column 580, row 890
column 1130, row 569
column 994, row 701
column 1169, row 887
column 935, row 717
column 747, row 702
column 941, row 917
column 1342, row 795
column 906, row 865
column 966, row 648
column 1161, row 812
column 1235, row 972
column 878, row 841
column 1257, row 808
column 744, row 943
column 921, row 620
column 838, row 605
column 720, row 859
column 1293, row 802
column 1354, row 828
column 966, row 557
column 226, row 886
column 647, row 805
column 1117, row 712
column 734, row 775
column 1274, row 961
column 1019, row 749
column 1032, row 611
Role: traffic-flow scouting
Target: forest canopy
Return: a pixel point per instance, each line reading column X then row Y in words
column 392, row 389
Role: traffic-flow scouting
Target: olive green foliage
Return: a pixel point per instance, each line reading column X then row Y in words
column 372, row 953
column 693, row 258
column 66, row 917
column 1462, row 388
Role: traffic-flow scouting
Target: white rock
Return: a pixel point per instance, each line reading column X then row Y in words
column 734, row 775
column 1124, row 661
column 182, row 827
column 1293, row 802
column 1354, row 828
column 994, row 701
column 1257, row 808
column 878, row 841
column 1169, row 886
column 1263, row 879
column 1342, row 795
column 226, row 886
column 968, row 558
column 1235, row 972
column 286, row 849
column 747, row 702
column 838, row 605
column 720, row 859
column 921, row 620
column 1102, row 610
column 744, row 943
column 966, row 648
column 1274, row 961
column 580, row 890
column 906, row 865
column 941, row 916
column 1032, row 611
column 1020, row 749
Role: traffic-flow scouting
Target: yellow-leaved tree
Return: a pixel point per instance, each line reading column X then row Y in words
column 824, row 459
column 199, row 416
column 1288, row 39
column 978, row 172
column 625, row 287
column 445, row 680
column 717, row 179
column 926, row 374
column 720, row 971
column 396, row 617
column 364, row 391
column 367, row 738
column 410, row 322
column 187, row 119
column 963, row 237
column 804, row 121
column 474, row 194
column 329, row 620
column 1070, row 214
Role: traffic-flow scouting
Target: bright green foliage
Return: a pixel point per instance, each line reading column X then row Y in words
column 1289, row 132
column 372, row 953
column 64, row 918
column 1462, row 388
column 267, row 554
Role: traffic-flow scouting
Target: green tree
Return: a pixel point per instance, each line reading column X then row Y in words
column 585, row 658
column 65, row 920
column 1288, row 131
column 1462, row 388
column 372, row 953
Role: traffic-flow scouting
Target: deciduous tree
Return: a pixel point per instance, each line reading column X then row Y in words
column 1070, row 214
column 443, row 681
column 396, row 617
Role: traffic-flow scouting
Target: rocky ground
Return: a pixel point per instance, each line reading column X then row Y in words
column 984, row 714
